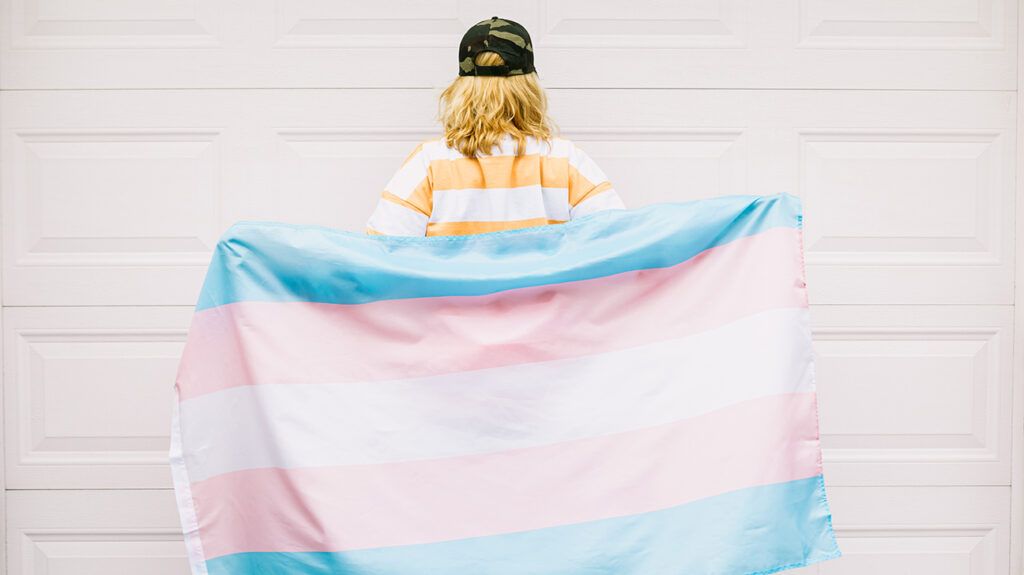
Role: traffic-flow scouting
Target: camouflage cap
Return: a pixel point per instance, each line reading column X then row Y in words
column 509, row 39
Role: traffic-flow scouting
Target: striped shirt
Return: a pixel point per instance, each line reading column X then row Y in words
column 439, row 192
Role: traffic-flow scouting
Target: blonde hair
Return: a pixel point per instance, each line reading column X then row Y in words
column 478, row 111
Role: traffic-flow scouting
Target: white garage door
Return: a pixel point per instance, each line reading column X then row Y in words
column 133, row 132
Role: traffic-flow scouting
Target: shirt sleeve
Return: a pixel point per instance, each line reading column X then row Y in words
column 406, row 202
column 589, row 188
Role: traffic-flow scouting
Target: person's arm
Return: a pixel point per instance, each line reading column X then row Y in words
column 589, row 188
column 406, row 202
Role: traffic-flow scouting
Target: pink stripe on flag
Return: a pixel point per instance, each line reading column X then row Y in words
column 757, row 442
column 320, row 343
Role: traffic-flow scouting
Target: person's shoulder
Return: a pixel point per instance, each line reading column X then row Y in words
column 432, row 145
column 426, row 149
column 568, row 148
column 557, row 146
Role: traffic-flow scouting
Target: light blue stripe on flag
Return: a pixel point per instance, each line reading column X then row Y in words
column 262, row 261
column 757, row 530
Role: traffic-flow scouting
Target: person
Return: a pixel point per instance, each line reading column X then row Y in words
column 499, row 165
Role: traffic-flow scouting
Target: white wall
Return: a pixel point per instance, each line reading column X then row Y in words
column 133, row 133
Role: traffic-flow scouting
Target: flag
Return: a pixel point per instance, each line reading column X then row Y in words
column 630, row 393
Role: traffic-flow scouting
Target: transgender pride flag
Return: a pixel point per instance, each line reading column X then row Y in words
column 631, row 393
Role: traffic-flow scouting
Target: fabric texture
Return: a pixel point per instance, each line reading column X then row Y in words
column 506, row 37
column 437, row 191
column 629, row 393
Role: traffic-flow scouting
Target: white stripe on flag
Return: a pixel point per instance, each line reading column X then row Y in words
column 500, row 408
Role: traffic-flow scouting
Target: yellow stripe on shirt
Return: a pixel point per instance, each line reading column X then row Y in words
column 499, row 172
column 584, row 189
column 420, row 200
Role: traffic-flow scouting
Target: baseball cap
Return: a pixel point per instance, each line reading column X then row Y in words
column 509, row 39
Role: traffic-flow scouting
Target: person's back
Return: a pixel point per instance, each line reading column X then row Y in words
column 498, row 165
column 439, row 191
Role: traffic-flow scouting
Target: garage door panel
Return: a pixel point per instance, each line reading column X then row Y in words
column 915, row 394
column 61, row 533
column 898, row 530
column 704, row 24
column 926, row 24
column 939, row 193
column 78, row 195
column 928, row 203
column 88, row 395
column 956, row 44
